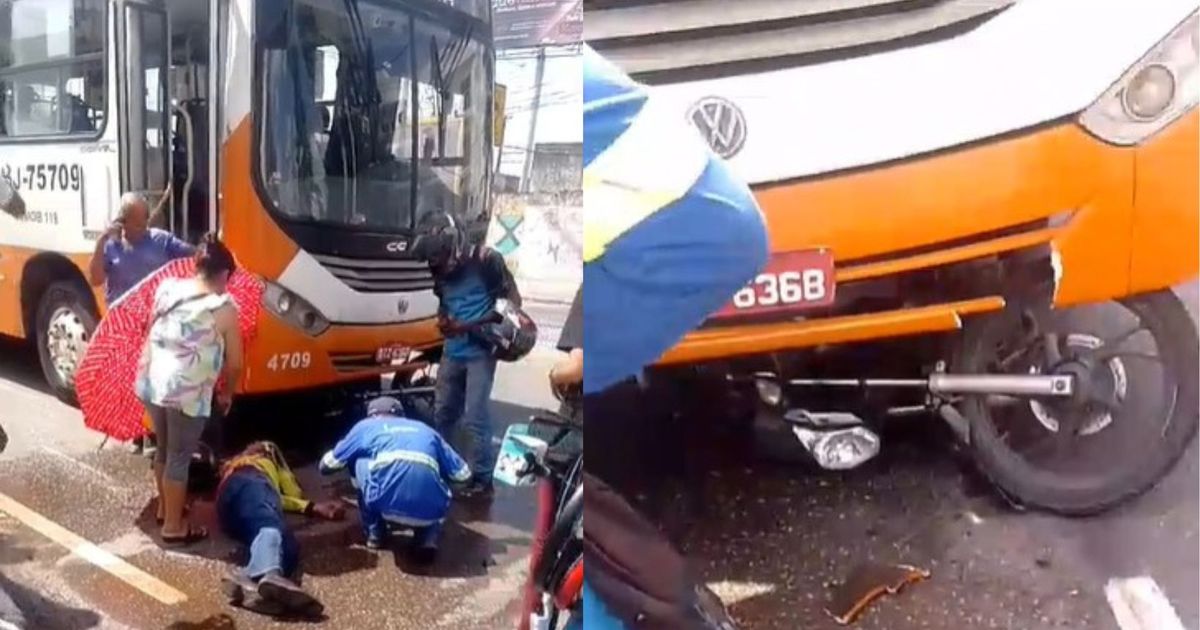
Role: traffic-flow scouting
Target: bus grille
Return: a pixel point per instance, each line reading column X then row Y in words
column 349, row 362
column 671, row 41
column 376, row 275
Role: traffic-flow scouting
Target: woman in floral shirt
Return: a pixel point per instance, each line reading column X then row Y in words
column 193, row 343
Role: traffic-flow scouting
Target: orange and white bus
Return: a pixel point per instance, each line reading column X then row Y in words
column 957, row 193
column 313, row 134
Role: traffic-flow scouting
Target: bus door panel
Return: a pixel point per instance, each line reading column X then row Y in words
column 145, row 111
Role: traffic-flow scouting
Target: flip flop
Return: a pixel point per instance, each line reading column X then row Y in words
column 194, row 534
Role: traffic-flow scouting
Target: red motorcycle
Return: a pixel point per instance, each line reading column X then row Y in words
column 548, row 453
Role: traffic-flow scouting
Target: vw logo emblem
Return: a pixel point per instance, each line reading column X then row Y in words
column 402, row 306
column 721, row 123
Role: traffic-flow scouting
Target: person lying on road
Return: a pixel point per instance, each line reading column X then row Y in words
column 403, row 471
column 256, row 488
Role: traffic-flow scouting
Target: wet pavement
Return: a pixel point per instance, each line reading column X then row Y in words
column 774, row 541
column 55, row 468
column 776, row 553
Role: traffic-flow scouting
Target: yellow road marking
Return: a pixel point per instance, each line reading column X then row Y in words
column 115, row 566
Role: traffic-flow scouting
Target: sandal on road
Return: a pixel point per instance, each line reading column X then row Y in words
column 194, row 534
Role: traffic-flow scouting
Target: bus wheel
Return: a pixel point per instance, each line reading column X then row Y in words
column 65, row 323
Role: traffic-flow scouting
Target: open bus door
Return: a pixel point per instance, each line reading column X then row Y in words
column 143, row 104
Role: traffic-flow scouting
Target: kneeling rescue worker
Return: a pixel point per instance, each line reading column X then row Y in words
column 403, row 471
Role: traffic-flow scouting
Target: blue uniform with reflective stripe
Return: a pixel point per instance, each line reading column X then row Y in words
column 408, row 468
column 669, row 236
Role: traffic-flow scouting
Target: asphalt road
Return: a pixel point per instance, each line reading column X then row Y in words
column 774, row 541
column 771, row 541
column 54, row 467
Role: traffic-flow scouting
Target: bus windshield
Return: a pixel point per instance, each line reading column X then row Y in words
column 372, row 115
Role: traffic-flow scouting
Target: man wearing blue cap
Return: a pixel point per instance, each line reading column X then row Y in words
column 403, row 470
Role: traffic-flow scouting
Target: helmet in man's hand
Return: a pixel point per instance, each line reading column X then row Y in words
column 512, row 335
column 440, row 243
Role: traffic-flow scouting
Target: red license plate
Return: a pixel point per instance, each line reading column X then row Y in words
column 389, row 354
column 792, row 281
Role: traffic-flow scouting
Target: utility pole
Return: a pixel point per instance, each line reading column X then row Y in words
column 500, row 148
column 537, row 103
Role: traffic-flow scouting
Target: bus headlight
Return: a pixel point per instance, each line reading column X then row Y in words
column 1158, row 89
column 294, row 309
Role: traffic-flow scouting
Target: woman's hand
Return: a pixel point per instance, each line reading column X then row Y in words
column 224, row 400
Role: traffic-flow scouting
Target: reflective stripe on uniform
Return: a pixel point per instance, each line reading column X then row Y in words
column 331, row 462
column 462, row 474
column 654, row 163
column 409, row 521
column 415, row 457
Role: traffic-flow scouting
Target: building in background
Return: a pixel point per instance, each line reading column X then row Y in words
column 537, row 210
column 557, row 167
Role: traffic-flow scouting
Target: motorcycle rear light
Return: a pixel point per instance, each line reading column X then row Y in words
column 572, row 586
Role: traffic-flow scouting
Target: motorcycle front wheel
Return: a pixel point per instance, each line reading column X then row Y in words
column 1135, row 411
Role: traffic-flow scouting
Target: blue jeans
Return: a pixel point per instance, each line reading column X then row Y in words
column 250, row 512
column 375, row 525
column 464, row 389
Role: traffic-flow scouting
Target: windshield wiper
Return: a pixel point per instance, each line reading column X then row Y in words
column 455, row 49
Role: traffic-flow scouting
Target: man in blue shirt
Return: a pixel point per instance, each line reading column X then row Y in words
column 670, row 234
column 402, row 470
column 129, row 250
column 468, row 279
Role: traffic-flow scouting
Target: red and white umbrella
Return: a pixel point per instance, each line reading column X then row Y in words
column 104, row 382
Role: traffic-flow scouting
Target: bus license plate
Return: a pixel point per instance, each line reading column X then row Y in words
column 389, row 354
column 792, row 281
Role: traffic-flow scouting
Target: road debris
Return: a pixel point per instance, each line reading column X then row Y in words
column 866, row 583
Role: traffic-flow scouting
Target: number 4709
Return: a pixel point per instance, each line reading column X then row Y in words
column 289, row 361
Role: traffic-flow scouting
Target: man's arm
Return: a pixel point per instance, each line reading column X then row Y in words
column 572, row 331
column 179, row 248
column 346, row 451
column 504, row 285
column 292, row 500
column 454, row 468
column 98, row 266
column 291, row 495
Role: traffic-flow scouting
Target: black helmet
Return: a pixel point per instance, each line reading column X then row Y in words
column 512, row 335
column 440, row 242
